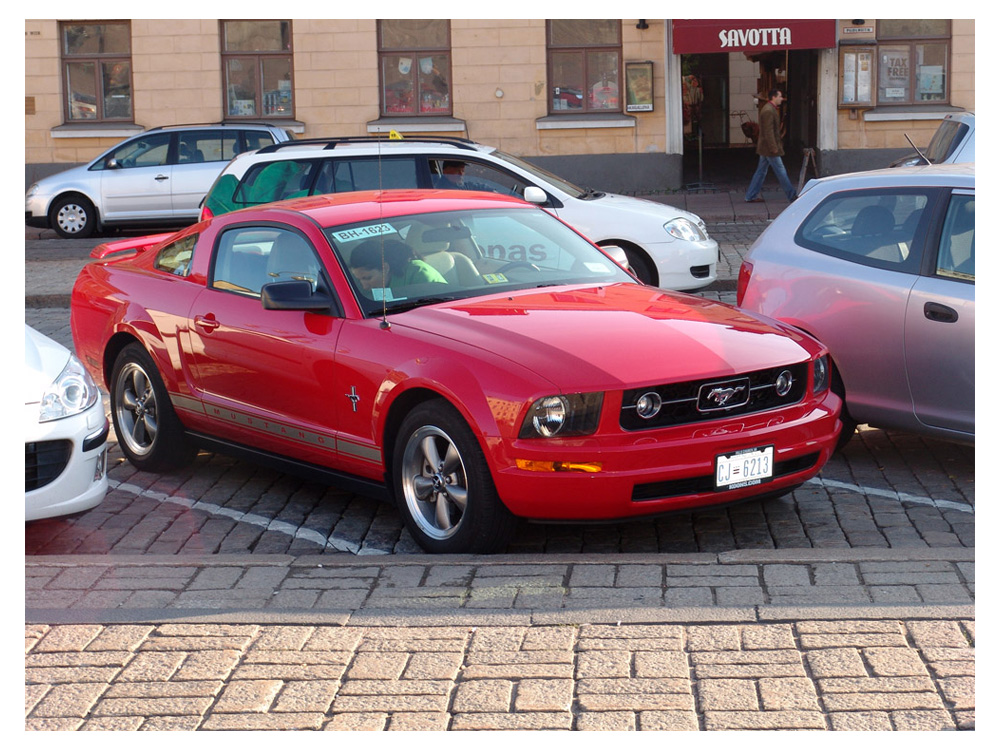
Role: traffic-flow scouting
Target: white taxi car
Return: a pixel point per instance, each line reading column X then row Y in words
column 665, row 246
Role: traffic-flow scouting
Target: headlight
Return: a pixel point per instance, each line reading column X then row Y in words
column 31, row 191
column 72, row 392
column 575, row 414
column 683, row 229
column 821, row 374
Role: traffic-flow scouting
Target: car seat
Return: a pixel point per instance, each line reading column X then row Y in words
column 871, row 234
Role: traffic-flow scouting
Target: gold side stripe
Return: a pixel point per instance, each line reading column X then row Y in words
column 280, row 429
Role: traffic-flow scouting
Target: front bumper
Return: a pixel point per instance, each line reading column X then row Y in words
column 65, row 463
column 657, row 472
column 685, row 265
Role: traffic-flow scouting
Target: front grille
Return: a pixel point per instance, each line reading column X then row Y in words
column 44, row 462
column 703, row 400
column 704, row 484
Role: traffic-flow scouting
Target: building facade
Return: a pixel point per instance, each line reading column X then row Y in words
column 639, row 98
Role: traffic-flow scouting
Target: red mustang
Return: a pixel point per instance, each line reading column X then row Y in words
column 467, row 355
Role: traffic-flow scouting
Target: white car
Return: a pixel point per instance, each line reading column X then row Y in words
column 157, row 178
column 665, row 246
column 65, row 432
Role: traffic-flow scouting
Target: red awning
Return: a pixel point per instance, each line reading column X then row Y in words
column 693, row 36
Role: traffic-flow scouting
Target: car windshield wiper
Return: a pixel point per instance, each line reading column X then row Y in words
column 410, row 304
column 590, row 194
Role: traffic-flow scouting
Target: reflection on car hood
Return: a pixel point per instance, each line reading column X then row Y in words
column 44, row 359
column 647, row 209
column 596, row 338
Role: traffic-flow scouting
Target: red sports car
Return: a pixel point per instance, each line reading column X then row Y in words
column 468, row 356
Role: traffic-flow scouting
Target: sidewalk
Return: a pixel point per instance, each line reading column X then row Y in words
column 808, row 639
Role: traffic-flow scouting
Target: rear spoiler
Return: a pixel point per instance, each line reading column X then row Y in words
column 132, row 246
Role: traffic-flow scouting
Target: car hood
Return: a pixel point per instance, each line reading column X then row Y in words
column 44, row 359
column 619, row 336
column 619, row 215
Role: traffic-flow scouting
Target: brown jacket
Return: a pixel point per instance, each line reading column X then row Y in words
column 769, row 141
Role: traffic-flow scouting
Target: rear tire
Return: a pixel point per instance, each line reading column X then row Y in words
column 443, row 486
column 149, row 432
column 73, row 216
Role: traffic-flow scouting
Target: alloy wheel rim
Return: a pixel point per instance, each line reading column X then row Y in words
column 435, row 484
column 135, row 406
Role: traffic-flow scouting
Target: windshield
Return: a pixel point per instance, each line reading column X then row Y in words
column 403, row 262
column 946, row 139
column 567, row 187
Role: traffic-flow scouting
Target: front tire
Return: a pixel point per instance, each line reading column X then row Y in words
column 149, row 432
column 443, row 485
column 848, row 425
column 73, row 216
column 640, row 263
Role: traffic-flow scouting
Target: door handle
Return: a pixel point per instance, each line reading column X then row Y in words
column 940, row 313
column 161, row 177
column 207, row 323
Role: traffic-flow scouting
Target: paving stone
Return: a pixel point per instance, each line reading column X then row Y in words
column 836, row 662
column 606, row 721
column 544, row 695
column 788, row 694
column 508, row 722
column 861, row 721
column 756, row 720
column 247, row 696
column 727, row 695
column 484, row 695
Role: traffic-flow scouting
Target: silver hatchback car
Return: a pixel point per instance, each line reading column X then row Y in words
column 880, row 267
column 156, row 178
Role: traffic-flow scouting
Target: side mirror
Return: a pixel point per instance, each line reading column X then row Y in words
column 535, row 195
column 294, row 295
column 112, row 164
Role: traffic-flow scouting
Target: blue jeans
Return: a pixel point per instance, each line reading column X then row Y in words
column 757, row 182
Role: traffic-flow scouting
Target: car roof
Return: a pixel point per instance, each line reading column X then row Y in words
column 346, row 147
column 933, row 175
column 337, row 208
column 226, row 125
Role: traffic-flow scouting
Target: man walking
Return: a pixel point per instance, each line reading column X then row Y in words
column 770, row 149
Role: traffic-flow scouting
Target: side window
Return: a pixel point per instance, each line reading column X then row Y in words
column 247, row 258
column 275, row 181
column 145, row 151
column 175, row 258
column 957, row 252
column 459, row 174
column 345, row 175
column 872, row 227
column 205, row 145
column 256, row 139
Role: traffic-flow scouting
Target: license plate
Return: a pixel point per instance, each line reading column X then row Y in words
column 744, row 468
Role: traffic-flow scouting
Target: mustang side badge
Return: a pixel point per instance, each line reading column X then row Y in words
column 354, row 397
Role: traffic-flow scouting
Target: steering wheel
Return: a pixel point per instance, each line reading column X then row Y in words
column 518, row 264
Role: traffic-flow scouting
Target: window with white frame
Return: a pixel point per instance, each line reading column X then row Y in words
column 257, row 68
column 584, row 66
column 415, row 67
column 96, row 71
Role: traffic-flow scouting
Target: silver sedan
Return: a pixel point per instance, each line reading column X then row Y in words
column 880, row 266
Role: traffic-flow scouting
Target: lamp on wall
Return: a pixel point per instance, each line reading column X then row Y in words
column 642, row 24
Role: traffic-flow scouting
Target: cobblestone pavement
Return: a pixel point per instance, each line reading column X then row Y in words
column 231, row 597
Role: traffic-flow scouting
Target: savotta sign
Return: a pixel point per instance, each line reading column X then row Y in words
column 695, row 36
